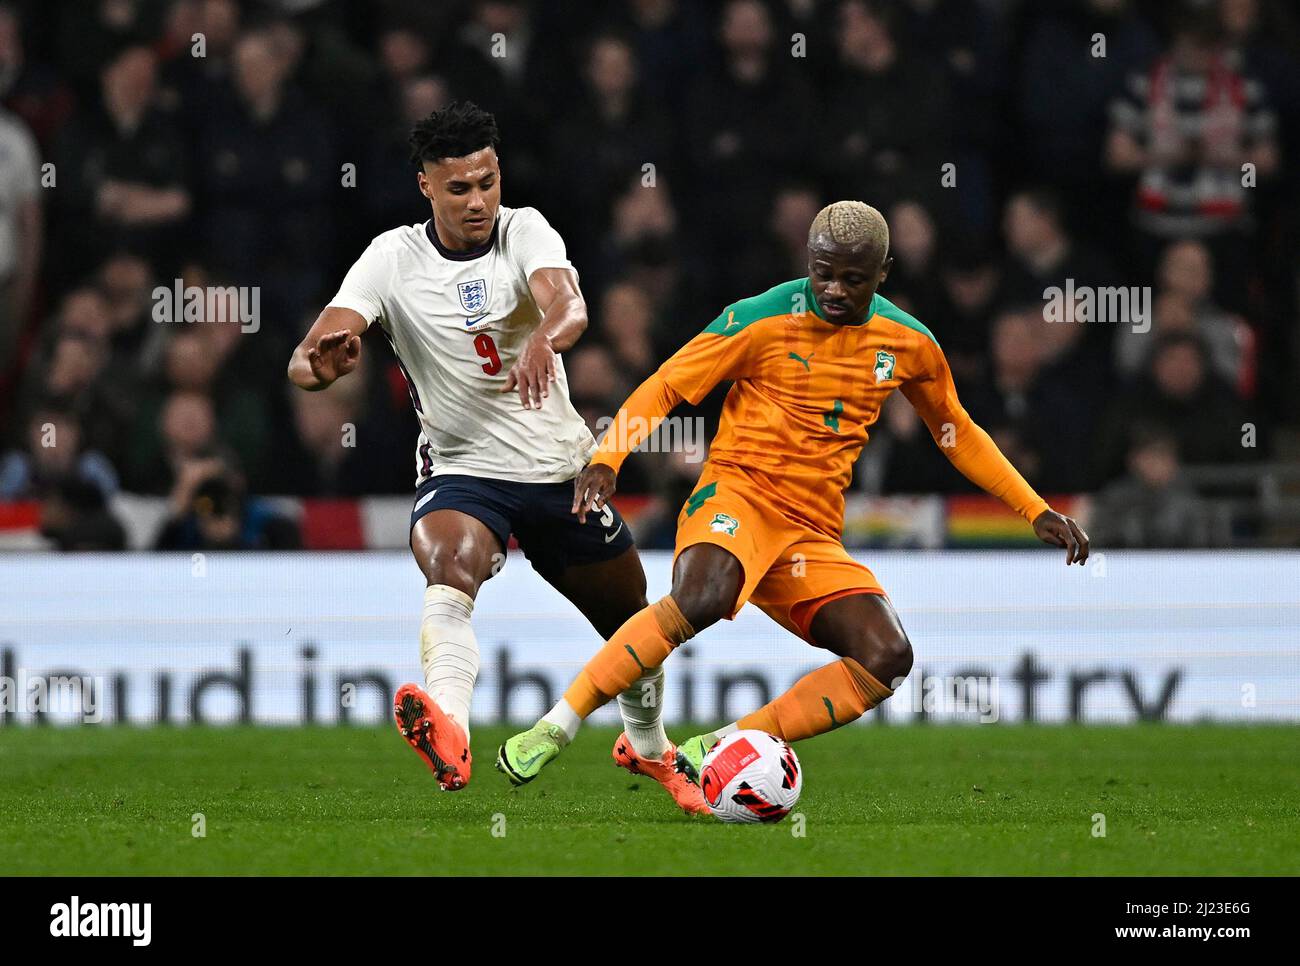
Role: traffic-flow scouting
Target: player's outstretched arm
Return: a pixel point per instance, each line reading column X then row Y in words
column 330, row 349
column 637, row 418
column 972, row 451
column 689, row 374
column 564, row 319
column 980, row 461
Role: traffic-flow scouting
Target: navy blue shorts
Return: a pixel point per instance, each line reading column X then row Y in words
column 538, row 514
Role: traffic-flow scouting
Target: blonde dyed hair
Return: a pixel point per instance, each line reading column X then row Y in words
column 851, row 224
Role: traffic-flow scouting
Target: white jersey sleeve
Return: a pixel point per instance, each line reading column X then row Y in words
column 365, row 285
column 535, row 244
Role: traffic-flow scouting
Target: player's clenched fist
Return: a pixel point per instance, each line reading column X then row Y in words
column 335, row 354
column 594, row 485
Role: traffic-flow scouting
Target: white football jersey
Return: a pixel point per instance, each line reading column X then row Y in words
column 457, row 322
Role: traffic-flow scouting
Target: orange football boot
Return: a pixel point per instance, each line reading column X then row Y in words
column 664, row 771
column 437, row 739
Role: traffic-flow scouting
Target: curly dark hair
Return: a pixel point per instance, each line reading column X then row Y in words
column 460, row 128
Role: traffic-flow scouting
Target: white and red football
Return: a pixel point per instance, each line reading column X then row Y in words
column 751, row 776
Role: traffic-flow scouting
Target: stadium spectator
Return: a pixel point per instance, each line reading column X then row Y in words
column 1059, row 64
column 596, row 386
column 971, row 289
column 748, row 125
column 405, row 54
column 127, row 284
column 76, row 517
column 1183, row 129
column 1152, row 506
column 643, row 245
column 1042, row 420
column 1041, row 253
column 1184, row 303
column 672, row 482
column 626, row 323
column 914, row 243
column 267, row 161
column 667, row 34
column 902, row 456
column 385, row 177
column 32, row 91
column 780, row 252
column 887, row 120
column 331, row 457
column 54, row 453
column 609, row 133
column 84, row 311
column 75, row 378
column 192, row 83
column 209, row 512
column 195, row 361
column 123, row 171
column 493, row 58
column 21, row 230
column 1181, row 391
column 187, row 434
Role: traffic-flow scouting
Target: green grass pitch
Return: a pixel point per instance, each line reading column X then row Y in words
column 1004, row 799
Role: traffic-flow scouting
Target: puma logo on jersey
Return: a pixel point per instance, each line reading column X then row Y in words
column 807, row 363
column 731, row 320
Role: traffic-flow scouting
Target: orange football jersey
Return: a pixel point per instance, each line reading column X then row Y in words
column 805, row 395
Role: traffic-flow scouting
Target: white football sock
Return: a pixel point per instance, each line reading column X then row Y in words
column 449, row 651
column 714, row 736
column 643, row 714
column 564, row 717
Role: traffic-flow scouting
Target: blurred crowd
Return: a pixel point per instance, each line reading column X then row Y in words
column 682, row 149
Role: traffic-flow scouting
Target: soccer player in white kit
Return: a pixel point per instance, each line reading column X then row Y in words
column 478, row 303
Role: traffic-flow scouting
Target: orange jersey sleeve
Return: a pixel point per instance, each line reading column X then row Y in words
column 967, row 446
column 636, row 419
column 720, row 352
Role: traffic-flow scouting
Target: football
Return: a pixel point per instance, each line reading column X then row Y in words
column 751, row 776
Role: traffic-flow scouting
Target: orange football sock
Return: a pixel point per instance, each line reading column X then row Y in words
column 644, row 642
column 821, row 700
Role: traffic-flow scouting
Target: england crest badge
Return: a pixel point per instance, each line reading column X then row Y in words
column 473, row 295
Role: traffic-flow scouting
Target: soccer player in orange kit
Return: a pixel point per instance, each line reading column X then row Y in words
column 812, row 362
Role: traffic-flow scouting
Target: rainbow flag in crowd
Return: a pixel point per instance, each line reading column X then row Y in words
column 982, row 521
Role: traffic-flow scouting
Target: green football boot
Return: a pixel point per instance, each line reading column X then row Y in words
column 690, row 755
column 523, row 757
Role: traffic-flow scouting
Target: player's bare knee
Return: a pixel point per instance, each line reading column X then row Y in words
column 893, row 656
column 703, row 605
column 888, row 656
column 450, row 566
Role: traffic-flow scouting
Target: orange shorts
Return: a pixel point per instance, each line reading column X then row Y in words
column 790, row 570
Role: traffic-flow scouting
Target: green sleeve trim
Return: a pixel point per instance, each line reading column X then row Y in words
column 886, row 309
column 779, row 300
column 699, row 497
